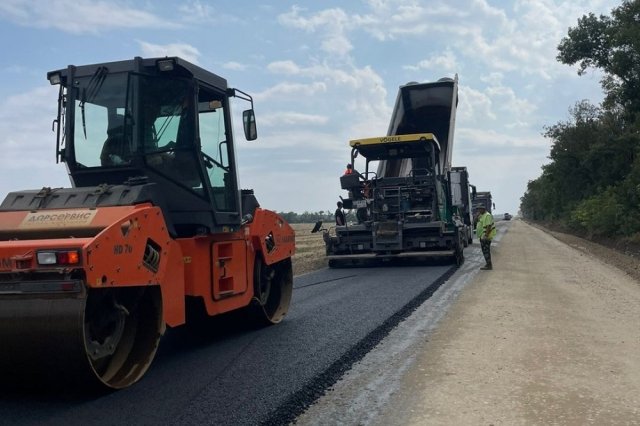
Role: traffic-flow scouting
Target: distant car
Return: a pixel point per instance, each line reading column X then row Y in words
column 507, row 216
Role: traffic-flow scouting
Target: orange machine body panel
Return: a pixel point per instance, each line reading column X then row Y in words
column 267, row 225
column 129, row 246
column 219, row 267
column 112, row 249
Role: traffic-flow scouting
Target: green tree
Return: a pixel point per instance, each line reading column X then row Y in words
column 593, row 180
column 611, row 44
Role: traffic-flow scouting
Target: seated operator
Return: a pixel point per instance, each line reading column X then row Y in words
column 174, row 158
column 116, row 150
column 355, row 183
column 351, row 171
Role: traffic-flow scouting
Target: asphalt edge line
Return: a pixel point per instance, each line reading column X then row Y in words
column 300, row 400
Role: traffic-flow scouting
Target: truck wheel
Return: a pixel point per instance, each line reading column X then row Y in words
column 459, row 250
column 273, row 286
column 459, row 257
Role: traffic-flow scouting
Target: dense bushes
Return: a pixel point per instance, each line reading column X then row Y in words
column 592, row 183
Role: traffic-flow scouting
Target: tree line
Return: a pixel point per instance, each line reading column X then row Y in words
column 312, row 217
column 592, row 184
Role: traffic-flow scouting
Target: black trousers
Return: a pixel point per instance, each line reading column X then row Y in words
column 485, row 245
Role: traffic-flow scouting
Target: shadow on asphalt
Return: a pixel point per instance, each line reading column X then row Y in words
column 201, row 331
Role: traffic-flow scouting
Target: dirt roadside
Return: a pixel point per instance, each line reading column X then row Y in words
column 551, row 336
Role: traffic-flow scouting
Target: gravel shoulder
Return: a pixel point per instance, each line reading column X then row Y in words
column 550, row 336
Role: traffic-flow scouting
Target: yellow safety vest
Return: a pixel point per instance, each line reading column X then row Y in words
column 486, row 220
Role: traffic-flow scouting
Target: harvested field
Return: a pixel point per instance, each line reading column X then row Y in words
column 310, row 252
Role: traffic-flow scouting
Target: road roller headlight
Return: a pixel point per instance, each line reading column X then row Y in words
column 58, row 257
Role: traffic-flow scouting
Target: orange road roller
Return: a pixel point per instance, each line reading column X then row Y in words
column 155, row 221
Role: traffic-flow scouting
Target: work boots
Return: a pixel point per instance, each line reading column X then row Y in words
column 487, row 267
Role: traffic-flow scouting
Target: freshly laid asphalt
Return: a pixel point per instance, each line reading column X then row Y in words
column 226, row 374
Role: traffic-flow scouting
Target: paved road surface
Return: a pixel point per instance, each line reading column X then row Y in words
column 242, row 376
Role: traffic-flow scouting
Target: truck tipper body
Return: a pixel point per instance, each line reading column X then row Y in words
column 482, row 199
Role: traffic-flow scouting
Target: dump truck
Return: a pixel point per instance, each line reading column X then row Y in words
column 153, row 228
column 461, row 200
column 482, row 199
column 403, row 199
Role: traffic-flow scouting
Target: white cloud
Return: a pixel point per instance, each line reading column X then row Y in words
column 80, row 16
column 28, row 144
column 494, row 78
column 496, row 103
column 291, row 189
column 300, row 161
column 474, row 106
column 359, row 91
column 490, row 140
column 332, row 23
column 519, row 38
column 185, row 51
column 507, row 100
column 445, row 63
column 284, row 67
column 198, row 12
column 284, row 89
column 489, row 11
column 338, row 74
column 337, row 43
column 291, row 118
column 371, row 98
column 236, row 66
column 299, row 136
column 325, row 18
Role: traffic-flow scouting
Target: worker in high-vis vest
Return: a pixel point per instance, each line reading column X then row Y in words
column 485, row 230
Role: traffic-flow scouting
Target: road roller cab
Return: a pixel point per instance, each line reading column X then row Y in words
column 91, row 275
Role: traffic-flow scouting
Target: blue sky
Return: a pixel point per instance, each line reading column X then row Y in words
column 321, row 73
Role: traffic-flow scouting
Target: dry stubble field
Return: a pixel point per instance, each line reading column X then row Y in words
column 310, row 253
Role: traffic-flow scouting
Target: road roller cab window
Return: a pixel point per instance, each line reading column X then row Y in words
column 216, row 151
column 127, row 120
column 167, row 130
column 99, row 130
